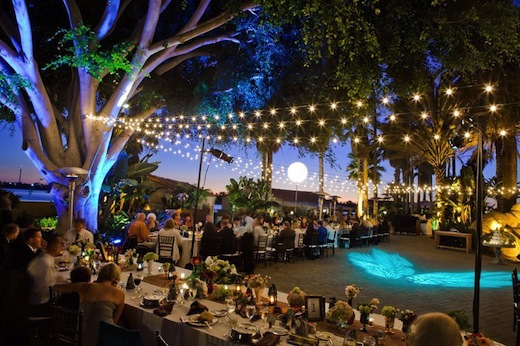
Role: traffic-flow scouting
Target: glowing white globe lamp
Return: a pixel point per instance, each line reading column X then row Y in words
column 297, row 172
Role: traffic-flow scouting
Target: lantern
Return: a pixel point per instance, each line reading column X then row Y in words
column 272, row 295
column 237, row 287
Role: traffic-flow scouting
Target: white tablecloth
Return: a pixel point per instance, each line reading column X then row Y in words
column 185, row 247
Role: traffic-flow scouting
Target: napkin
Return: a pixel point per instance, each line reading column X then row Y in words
column 164, row 309
column 197, row 308
column 269, row 339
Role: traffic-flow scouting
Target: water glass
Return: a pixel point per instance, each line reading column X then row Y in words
column 250, row 310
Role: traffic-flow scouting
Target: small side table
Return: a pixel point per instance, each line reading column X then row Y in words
column 498, row 251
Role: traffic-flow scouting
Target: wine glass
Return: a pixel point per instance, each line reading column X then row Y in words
column 264, row 312
column 250, row 311
column 230, row 307
column 137, row 281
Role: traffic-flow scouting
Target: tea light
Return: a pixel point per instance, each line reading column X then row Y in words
column 183, row 276
column 110, row 258
column 86, row 258
column 226, row 287
column 371, row 321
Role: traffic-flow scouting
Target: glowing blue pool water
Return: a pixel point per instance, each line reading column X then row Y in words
column 395, row 267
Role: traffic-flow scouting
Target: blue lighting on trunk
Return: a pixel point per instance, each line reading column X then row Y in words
column 395, row 267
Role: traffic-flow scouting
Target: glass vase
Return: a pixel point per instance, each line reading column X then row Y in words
column 406, row 327
column 389, row 324
column 364, row 320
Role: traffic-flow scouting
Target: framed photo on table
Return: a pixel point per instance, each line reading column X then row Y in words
column 315, row 308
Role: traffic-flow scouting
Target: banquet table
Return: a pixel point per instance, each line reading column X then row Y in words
column 177, row 333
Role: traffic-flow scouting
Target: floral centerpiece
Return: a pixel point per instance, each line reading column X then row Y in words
column 389, row 312
column 365, row 310
column 478, row 339
column 340, row 313
column 150, row 256
column 184, row 230
column 296, row 297
column 129, row 257
column 225, row 273
column 199, row 285
column 199, row 268
column 407, row 317
column 351, row 291
column 74, row 250
column 257, row 282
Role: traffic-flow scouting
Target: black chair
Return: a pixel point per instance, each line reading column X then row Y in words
column 261, row 250
column 331, row 243
column 160, row 339
column 234, row 256
column 66, row 325
column 112, row 335
column 165, row 246
column 313, row 246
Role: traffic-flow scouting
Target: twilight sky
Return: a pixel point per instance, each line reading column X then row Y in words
column 181, row 163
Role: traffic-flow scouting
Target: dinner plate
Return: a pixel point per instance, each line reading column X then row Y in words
column 147, row 307
column 219, row 313
column 192, row 320
column 324, row 335
column 279, row 331
column 253, row 341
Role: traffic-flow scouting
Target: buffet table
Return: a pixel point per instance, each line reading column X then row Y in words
column 177, row 333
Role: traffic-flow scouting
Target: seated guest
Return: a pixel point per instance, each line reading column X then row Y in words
column 188, row 222
column 208, row 240
column 71, row 300
column 169, row 230
column 246, row 225
column 78, row 233
column 9, row 234
column 285, row 238
column 177, row 220
column 43, row 273
column 226, row 218
column 309, row 238
column 323, row 233
column 258, row 229
column 137, row 232
column 227, row 236
column 100, row 301
column 435, row 329
column 151, row 222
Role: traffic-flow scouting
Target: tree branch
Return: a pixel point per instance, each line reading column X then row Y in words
column 198, row 30
column 150, row 24
column 24, row 28
column 108, row 20
column 195, row 18
column 10, row 30
column 177, row 61
column 74, row 13
column 10, row 57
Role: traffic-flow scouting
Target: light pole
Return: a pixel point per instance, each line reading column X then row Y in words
column 297, row 173
column 218, row 154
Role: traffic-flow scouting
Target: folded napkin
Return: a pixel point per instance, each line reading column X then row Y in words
column 164, row 309
column 197, row 308
column 269, row 339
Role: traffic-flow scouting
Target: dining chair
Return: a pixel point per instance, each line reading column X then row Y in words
column 261, row 249
column 160, row 339
column 331, row 243
column 113, row 335
column 235, row 256
column 165, row 246
column 66, row 325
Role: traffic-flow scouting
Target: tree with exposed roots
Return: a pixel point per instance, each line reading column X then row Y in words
column 69, row 137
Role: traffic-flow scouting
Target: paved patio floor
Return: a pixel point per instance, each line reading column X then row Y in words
column 395, row 286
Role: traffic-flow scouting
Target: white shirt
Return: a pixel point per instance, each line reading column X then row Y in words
column 43, row 274
column 171, row 232
column 257, row 232
column 248, row 227
column 84, row 236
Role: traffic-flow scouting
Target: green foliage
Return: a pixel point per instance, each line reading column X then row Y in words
column 250, row 194
column 10, row 86
column 82, row 50
column 115, row 225
column 48, row 222
column 221, row 293
column 461, row 318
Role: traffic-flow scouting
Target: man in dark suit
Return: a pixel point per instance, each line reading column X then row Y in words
column 9, row 234
column 16, row 288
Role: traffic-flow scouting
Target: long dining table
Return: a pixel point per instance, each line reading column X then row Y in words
column 175, row 332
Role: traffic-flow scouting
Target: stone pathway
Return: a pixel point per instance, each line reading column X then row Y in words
column 329, row 276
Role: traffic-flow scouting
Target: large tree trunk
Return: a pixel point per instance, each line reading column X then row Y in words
column 506, row 171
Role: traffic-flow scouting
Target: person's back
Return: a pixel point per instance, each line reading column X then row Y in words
column 227, row 236
column 322, row 235
column 71, row 300
column 435, row 329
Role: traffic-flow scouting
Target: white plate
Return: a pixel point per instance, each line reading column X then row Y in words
column 278, row 331
column 192, row 320
column 219, row 313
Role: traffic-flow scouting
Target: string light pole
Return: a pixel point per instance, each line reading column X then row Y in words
column 297, row 173
column 219, row 155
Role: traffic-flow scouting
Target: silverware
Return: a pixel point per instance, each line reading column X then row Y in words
column 207, row 323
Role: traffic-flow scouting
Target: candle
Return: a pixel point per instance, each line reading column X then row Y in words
column 371, row 321
column 226, row 287
column 183, row 276
column 110, row 258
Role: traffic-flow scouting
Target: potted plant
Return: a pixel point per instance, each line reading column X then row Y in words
column 389, row 312
column 149, row 258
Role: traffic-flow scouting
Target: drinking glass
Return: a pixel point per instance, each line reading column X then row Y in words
column 230, row 307
column 250, row 311
column 348, row 341
column 264, row 312
column 137, row 281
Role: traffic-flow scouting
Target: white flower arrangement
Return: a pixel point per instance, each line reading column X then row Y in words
column 74, row 250
column 225, row 272
column 352, row 291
